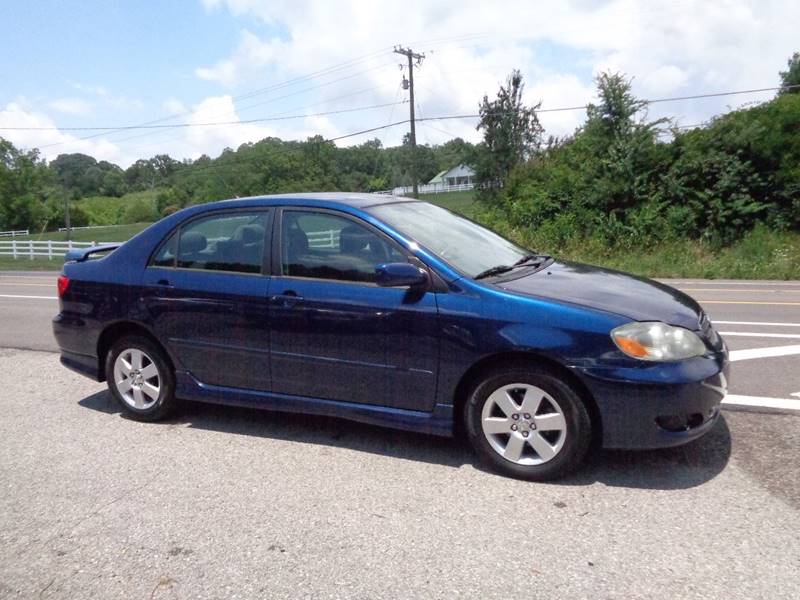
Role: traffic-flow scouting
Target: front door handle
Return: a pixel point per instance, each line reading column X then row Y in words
column 287, row 299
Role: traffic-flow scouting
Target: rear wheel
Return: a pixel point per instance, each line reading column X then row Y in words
column 528, row 423
column 140, row 378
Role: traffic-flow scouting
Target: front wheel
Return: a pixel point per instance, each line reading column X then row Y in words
column 140, row 378
column 528, row 423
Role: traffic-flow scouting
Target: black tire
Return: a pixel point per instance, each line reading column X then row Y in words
column 577, row 427
column 153, row 409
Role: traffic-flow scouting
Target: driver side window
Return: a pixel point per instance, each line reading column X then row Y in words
column 324, row 246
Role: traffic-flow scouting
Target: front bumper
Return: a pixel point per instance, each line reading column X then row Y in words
column 657, row 406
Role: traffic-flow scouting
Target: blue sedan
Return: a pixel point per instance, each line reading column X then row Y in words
column 394, row 312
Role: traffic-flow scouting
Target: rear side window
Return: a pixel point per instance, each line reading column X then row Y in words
column 222, row 242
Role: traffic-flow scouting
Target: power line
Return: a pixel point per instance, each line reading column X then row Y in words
column 439, row 118
column 210, row 124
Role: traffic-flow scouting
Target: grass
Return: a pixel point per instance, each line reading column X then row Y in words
column 459, row 202
column 761, row 254
column 111, row 233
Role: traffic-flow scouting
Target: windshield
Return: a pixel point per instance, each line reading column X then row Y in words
column 467, row 246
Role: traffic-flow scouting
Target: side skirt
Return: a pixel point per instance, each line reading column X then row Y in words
column 438, row 422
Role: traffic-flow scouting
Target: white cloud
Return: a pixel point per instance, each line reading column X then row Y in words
column 687, row 46
column 51, row 142
column 681, row 48
column 71, row 106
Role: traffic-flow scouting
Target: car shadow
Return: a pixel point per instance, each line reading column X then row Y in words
column 666, row 469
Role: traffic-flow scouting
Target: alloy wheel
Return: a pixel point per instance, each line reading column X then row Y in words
column 524, row 424
column 137, row 379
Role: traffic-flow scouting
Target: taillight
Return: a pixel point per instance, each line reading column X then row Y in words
column 63, row 285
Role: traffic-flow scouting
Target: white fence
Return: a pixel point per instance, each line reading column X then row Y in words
column 324, row 239
column 86, row 227
column 429, row 188
column 47, row 248
column 12, row 234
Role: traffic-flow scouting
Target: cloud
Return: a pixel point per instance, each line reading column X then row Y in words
column 250, row 56
column 71, row 106
column 51, row 142
column 687, row 46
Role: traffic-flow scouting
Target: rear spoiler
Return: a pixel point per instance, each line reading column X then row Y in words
column 82, row 254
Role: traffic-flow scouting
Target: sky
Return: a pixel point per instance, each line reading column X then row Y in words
column 70, row 63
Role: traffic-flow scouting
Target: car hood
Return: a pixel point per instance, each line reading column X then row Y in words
column 612, row 291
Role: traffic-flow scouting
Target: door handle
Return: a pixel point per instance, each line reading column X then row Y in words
column 287, row 299
column 162, row 285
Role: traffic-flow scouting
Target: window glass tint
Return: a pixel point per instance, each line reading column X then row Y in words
column 166, row 256
column 224, row 242
column 325, row 246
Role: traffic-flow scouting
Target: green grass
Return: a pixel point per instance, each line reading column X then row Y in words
column 459, row 202
column 112, row 233
column 761, row 254
column 8, row 263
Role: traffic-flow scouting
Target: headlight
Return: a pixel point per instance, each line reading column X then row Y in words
column 657, row 341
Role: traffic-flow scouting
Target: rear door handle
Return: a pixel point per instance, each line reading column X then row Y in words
column 287, row 299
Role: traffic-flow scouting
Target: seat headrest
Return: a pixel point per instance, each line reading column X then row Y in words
column 252, row 234
column 298, row 241
column 353, row 239
column 193, row 241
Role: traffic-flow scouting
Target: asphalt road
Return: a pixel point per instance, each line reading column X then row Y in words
column 234, row 503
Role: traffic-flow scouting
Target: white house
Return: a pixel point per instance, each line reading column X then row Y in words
column 460, row 175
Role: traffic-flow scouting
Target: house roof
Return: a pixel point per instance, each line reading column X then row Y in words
column 460, row 171
column 439, row 177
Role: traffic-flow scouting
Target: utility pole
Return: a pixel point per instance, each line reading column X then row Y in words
column 66, row 216
column 412, row 57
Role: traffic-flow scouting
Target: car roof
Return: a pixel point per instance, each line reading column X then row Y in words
column 352, row 199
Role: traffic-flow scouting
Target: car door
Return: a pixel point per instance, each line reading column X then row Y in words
column 336, row 334
column 205, row 291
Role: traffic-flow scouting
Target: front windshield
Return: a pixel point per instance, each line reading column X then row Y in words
column 467, row 246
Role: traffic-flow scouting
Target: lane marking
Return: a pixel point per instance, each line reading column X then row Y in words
column 763, row 323
column 27, row 284
column 760, row 335
column 741, row 290
column 747, row 302
column 752, row 353
column 707, row 282
column 761, row 402
column 29, row 297
column 796, row 394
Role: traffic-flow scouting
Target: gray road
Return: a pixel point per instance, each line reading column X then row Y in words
column 229, row 503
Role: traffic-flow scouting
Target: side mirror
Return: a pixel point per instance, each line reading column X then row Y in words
column 400, row 275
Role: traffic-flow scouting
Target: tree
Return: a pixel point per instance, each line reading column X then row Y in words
column 791, row 76
column 511, row 134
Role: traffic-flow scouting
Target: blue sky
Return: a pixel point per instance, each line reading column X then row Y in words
column 72, row 64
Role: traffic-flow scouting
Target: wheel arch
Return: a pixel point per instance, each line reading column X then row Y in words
column 115, row 331
column 522, row 358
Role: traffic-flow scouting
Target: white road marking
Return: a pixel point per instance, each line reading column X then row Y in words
column 741, row 290
column 761, row 402
column 761, row 323
column 30, row 297
column 702, row 282
column 761, row 335
column 752, row 353
column 797, row 394
column 3, row 282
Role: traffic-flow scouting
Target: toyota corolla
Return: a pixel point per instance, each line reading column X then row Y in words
column 394, row 312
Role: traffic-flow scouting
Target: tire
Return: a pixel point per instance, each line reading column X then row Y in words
column 140, row 378
column 523, row 438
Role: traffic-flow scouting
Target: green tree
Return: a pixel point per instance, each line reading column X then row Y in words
column 511, row 134
column 791, row 76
